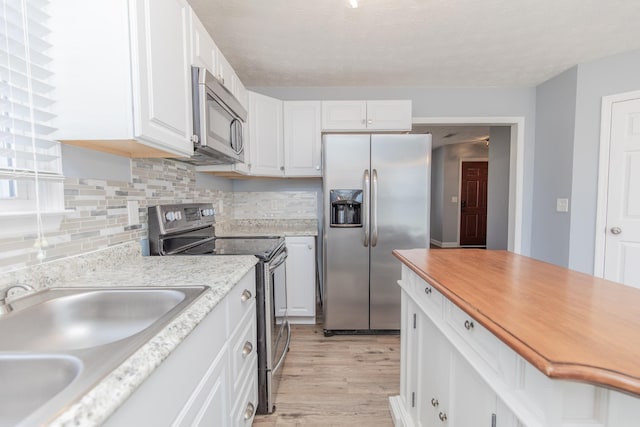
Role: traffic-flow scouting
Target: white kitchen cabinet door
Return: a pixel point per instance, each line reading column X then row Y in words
column 241, row 93
column 132, row 94
column 475, row 402
column 265, row 135
column 410, row 361
column 302, row 138
column 344, row 115
column 301, row 279
column 203, row 48
column 162, row 73
column 389, row 115
column 225, row 73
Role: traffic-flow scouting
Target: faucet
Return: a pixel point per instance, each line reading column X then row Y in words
column 4, row 294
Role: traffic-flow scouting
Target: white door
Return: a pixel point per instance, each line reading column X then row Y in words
column 622, row 241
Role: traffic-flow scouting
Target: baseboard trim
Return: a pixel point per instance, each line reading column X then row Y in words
column 440, row 244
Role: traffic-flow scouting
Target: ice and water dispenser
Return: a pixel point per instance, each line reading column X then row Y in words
column 346, row 208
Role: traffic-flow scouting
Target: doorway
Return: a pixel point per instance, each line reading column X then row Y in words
column 473, row 203
column 513, row 219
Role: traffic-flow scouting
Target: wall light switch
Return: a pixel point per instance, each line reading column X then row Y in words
column 132, row 211
column 562, row 205
column 454, row 199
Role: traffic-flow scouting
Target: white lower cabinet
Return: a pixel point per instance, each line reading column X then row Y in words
column 211, row 378
column 300, row 298
column 456, row 373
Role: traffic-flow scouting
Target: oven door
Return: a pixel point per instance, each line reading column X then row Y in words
column 280, row 328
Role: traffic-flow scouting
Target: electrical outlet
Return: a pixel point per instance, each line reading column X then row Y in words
column 132, row 212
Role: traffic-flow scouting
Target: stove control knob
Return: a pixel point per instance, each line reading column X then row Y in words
column 203, row 212
column 170, row 216
column 178, row 215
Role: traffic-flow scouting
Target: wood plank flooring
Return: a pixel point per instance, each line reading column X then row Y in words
column 336, row 381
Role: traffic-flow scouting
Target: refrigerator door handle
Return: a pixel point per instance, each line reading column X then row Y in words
column 374, row 208
column 367, row 192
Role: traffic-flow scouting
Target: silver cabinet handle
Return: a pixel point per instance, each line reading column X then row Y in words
column 246, row 295
column 248, row 413
column 374, row 208
column 442, row 416
column 616, row 230
column 367, row 191
column 427, row 291
column 468, row 325
column 247, row 349
column 434, row 402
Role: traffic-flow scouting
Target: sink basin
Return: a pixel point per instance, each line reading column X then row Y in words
column 28, row 382
column 70, row 321
column 57, row 344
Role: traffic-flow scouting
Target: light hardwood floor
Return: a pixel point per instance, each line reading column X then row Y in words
column 336, row 381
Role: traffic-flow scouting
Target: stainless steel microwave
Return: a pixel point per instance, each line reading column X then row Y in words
column 217, row 121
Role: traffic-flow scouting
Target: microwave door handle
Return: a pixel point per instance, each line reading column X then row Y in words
column 240, row 139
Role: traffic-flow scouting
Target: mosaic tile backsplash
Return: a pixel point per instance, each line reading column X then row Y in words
column 99, row 217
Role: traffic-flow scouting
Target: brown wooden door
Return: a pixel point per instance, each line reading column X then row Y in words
column 473, row 203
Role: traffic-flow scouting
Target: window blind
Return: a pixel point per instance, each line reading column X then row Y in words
column 30, row 164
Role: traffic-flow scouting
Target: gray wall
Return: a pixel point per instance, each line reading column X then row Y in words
column 607, row 76
column 498, row 187
column 437, row 193
column 82, row 163
column 443, row 102
column 555, row 115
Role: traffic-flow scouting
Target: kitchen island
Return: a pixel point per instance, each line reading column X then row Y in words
column 547, row 345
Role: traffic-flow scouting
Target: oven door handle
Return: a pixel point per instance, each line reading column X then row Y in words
column 284, row 350
column 279, row 260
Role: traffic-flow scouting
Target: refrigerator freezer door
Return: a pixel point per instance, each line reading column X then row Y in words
column 400, row 212
column 346, row 289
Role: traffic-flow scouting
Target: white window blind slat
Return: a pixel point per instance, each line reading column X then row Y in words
column 30, row 164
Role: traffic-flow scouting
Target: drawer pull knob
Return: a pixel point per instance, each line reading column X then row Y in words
column 247, row 349
column 246, row 295
column 442, row 416
column 434, row 402
column 248, row 413
column 468, row 325
column 427, row 291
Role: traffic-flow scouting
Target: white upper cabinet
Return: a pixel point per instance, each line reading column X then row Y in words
column 205, row 53
column 389, row 115
column 265, row 136
column 123, row 80
column 302, row 138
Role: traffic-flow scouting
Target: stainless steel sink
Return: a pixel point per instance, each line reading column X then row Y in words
column 70, row 320
column 28, row 382
column 59, row 343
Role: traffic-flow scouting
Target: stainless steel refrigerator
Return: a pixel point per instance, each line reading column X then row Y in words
column 376, row 199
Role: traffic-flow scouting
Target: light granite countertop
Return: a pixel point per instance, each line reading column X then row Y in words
column 268, row 227
column 220, row 273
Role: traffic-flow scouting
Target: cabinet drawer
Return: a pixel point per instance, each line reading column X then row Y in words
column 244, row 409
column 428, row 297
column 240, row 299
column 243, row 347
column 483, row 342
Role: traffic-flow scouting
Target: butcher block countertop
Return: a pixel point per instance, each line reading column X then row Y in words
column 567, row 324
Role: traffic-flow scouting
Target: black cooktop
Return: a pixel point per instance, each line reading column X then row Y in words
column 262, row 247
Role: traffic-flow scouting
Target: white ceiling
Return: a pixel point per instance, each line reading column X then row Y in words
column 447, row 134
column 428, row 43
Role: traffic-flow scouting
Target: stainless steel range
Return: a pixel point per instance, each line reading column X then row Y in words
column 189, row 229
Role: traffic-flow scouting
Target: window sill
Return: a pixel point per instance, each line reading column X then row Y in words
column 15, row 224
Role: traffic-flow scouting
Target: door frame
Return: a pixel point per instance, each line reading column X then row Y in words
column 465, row 159
column 516, row 166
column 603, row 176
